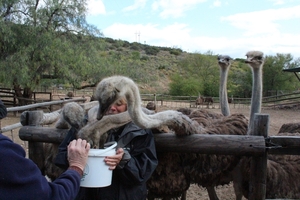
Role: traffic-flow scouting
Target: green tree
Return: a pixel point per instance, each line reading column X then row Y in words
column 184, row 87
column 276, row 79
column 203, row 68
column 239, row 82
column 49, row 39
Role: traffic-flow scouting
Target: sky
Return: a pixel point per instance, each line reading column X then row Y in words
column 231, row 27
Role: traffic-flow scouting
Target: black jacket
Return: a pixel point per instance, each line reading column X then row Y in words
column 130, row 177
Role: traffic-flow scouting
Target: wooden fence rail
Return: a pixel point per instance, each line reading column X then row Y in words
column 256, row 145
column 50, row 117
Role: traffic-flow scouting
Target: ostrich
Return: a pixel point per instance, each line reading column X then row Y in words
column 224, row 63
column 283, row 171
column 199, row 101
column 151, row 106
column 72, row 115
column 255, row 59
column 211, row 120
column 206, row 169
column 112, row 88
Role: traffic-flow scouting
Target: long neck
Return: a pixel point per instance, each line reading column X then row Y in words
column 223, row 91
column 143, row 120
column 256, row 94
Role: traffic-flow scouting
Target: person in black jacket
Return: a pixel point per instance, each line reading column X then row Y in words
column 134, row 162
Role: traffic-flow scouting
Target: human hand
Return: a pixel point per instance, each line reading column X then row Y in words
column 114, row 160
column 78, row 153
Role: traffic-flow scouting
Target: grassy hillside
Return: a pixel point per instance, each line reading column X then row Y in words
column 158, row 64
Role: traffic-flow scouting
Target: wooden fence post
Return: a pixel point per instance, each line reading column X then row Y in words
column 258, row 168
column 35, row 149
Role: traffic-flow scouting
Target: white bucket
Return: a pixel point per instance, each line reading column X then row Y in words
column 96, row 173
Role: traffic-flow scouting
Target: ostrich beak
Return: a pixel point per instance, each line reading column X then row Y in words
column 102, row 110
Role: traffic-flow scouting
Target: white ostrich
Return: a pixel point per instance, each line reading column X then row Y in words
column 113, row 88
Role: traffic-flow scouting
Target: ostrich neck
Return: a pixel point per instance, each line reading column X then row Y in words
column 256, row 94
column 140, row 118
column 223, row 92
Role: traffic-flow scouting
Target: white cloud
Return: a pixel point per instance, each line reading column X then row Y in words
column 174, row 8
column 170, row 35
column 281, row 2
column 178, row 35
column 137, row 4
column 96, row 7
column 262, row 22
column 217, row 3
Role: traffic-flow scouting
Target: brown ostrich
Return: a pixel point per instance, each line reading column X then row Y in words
column 70, row 95
column 283, row 171
column 199, row 101
column 255, row 60
column 151, row 106
column 208, row 101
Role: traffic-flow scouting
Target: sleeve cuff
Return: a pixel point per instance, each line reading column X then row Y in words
column 77, row 169
column 125, row 159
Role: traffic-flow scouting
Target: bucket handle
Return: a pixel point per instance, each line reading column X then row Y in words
column 112, row 146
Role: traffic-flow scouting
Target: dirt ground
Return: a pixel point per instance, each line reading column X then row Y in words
column 277, row 118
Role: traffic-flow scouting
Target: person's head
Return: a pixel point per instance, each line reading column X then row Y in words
column 118, row 107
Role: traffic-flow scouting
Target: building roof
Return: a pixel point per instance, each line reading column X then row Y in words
column 293, row 70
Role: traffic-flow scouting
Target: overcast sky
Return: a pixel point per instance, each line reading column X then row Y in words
column 230, row 27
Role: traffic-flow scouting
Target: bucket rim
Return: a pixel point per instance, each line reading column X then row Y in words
column 102, row 151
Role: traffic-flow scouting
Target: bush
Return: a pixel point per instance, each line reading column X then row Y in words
column 110, row 40
column 144, row 58
column 152, row 51
column 175, row 52
column 135, row 55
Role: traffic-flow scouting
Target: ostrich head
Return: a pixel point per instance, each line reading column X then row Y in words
column 108, row 91
column 74, row 114
column 224, row 60
column 255, row 58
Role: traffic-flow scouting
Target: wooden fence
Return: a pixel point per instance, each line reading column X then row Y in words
column 283, row 101
column 55, row 114
column 8, row 97
column 257, row 145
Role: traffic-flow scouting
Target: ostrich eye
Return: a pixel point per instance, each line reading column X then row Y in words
column 259, row 57
column 227, row 59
